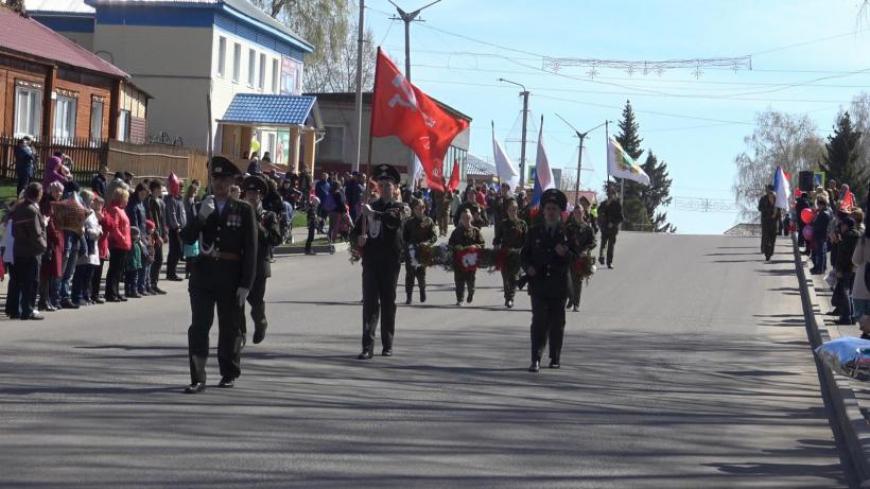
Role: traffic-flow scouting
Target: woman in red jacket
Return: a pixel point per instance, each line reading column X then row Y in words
column 102, row 247
column 52, row 260
column 116, row 227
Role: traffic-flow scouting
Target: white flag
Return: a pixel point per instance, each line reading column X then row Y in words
column 621, row 165
column 504, row 167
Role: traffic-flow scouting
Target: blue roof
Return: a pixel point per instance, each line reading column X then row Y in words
column 269, row 110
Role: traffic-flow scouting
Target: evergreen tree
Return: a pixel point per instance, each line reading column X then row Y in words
column 630, row 140
column 842, row 153
column 658, row 193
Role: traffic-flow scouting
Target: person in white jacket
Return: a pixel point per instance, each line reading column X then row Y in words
column 89, row 254
column 861, row 290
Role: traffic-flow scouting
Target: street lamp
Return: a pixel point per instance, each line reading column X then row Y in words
column 525, row 94
column 581, row 136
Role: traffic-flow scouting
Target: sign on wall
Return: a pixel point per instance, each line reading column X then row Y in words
column 291, row 76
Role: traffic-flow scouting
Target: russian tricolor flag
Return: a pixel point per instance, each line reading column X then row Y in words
column 782, row 188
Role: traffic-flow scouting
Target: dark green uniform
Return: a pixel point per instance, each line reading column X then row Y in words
column 510, row 235
column 268, row 236
column 769, row 221
column 548, row 287
column 582, row 237
column 416, row 232
column 227, row 262
column 609, row 218
column 460, row 238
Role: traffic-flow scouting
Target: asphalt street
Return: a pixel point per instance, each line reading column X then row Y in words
column 687, row 367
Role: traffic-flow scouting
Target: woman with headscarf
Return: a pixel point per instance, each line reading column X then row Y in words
column 52, row 261
column 55, row 171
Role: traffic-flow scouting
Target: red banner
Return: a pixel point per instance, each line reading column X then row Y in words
column 453, row 184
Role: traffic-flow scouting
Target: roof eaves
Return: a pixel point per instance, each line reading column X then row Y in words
column 272, row 26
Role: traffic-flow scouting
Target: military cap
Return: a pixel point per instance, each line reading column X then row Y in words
column 555, row 196
column 255, row 183
column 222, row 167
column 386, row 172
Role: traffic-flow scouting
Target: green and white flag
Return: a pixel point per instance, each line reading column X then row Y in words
column 620, row 165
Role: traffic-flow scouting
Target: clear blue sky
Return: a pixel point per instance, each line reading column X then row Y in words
column 713, row 113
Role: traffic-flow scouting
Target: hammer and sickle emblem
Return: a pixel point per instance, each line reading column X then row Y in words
column 407, row 99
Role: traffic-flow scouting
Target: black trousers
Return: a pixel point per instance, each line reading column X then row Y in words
column 509, row 281
column 608, row 241
column 768, row 239
column 13, row 292
column 96, row 279
column 256, row 298
column 412, row 273
column 379, row 302
column 27, row 276
column 463, row 280
column 117, row 259
column 548, row 323
column 575, row 288
column 23, row 181
column 311, row 230
column 156, row 266
column 202, row 305
column 175, row 246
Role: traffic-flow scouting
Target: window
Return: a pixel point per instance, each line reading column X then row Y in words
column 96, row 121
column 124, row 125
column 262, row 83
column 270, row 144
column 275, row 73
column 332, row 146
column 252, row 67
column 237, row 62
column 222, row 57
column 64, row 119
column 28, row 111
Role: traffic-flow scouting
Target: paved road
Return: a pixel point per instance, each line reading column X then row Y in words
column 688, row 367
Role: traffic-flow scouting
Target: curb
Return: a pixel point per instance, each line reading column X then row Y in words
column 300, row 249
column 848, row 418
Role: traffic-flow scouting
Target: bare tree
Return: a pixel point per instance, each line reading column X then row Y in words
column 331, row 27
column 779, row 139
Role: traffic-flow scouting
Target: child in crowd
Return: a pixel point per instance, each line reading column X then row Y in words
column 147, row 258
column 134, row 266
column 313, row 216
column 102, row 247
column 88, row 258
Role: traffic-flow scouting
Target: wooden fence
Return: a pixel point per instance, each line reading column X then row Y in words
column 87, row 156
column 158, row 160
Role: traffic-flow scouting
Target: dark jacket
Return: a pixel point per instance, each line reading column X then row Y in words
column 25, row 161
column 268, row 236
column 232, row 233
column 510, row 233
column 98, row 185
column 385, row 249
column 417, row 231
column 550, row 280
column 478, row 216
column 580, row 234
column 845, row 249
column 769, row 212
column 136, row 213
column 155, row 210
column 465, row 237
column 821, row 224
column 28, row 230
column 610, row 216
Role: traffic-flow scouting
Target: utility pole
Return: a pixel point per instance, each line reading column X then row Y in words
column 525, row 94
column 359, row 79
column 407, row 18
column 581, row 136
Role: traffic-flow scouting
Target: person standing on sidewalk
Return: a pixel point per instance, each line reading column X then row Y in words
column 28, row 228
column 156, row 212
column 176, row 219
column 845, row 269
column 25, row 163
column 820, row 237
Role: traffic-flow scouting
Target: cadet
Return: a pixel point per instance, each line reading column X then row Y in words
column 463, row 236
column 769, row 221
column 268, row 236
column 222, row 275
column 418, row 231
column 378, row 236
column 609, row 217
column 582, row 237
column 546, row 256
column 510, row 235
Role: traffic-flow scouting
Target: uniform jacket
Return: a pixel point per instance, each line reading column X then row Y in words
column 510, row 233
column 465, row 237
column 268, row 236
column 232, row 231
column 417, row 231
column 610, row 216
column 386, row 247
column 478, row 216
column 580, row 234
column 550, row 280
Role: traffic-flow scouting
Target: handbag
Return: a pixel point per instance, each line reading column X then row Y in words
column 191, row 250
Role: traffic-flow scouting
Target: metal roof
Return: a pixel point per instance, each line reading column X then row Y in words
column 26, row 36
column 477, row 166
column 269, row 110
column 350, row 97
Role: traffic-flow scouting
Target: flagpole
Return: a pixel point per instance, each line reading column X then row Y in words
column 372, row 124
column 607, row 153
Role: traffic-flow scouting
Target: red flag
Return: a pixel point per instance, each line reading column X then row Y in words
column 403, row 110
column 453, row 184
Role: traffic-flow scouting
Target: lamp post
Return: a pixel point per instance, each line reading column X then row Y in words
column 581, row 136
column 525, row 94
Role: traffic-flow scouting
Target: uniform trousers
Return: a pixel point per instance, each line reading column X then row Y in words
column 548, row 323
column 379, row 302
column 256, row 298
column 608, row 241
column 463, row 280
column 202, row 304
column 768, row 238
column 412, row 273
column 443, row 221
column 575, row 288
column 509, row 280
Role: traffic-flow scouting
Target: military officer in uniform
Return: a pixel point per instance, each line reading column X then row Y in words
column 378, row 236
column 609, row 217
column 268, row 236
column 510, row 235
column 546, row 257
column 582, row 237
column 418, row 230
column 769, row 221
column 221, row 276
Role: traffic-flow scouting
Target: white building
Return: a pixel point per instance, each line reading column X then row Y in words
column 184, row 53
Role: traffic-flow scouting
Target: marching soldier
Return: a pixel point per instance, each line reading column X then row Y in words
column 582, row 237
column 510, row 235
column 609, row 217
column 769, row 221
column 463, row 236
column 418, row 230
column 268, row 236
column 546, row 257
column 442, row 210
column 221, row 276
column 378, row 236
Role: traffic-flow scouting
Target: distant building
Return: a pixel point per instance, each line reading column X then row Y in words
column 337, row 151
column 479, row 171
column 59, row 92
column 183, row 51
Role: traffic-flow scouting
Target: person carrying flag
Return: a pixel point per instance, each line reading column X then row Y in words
column 769, row 221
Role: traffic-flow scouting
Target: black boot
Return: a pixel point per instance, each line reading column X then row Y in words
column 422, row 295
column 408, row 295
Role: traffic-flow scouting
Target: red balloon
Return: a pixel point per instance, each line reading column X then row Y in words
column 807, row 216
